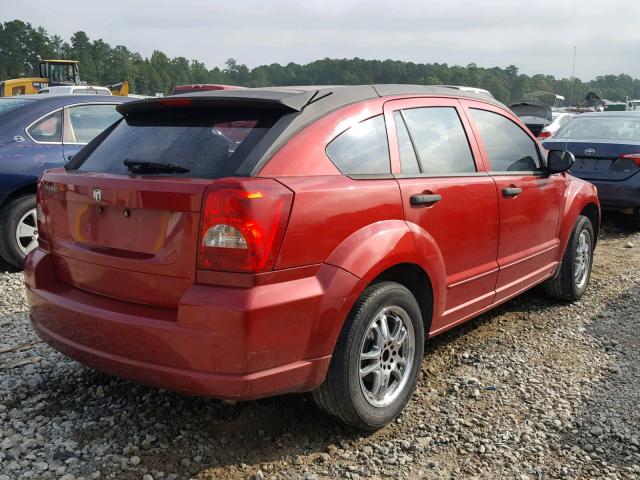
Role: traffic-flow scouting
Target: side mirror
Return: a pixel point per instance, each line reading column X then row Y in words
column 559, row 161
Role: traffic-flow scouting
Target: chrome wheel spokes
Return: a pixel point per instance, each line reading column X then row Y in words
column 27, row 232
column 386, row 356
column 582, row 261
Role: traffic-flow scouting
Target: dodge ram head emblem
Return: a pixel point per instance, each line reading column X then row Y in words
column 97, row 195
column 590, row 151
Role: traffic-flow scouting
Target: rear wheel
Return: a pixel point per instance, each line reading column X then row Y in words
column 575, row 270
column 375, row 366
column 18, row 229
column 636, row 219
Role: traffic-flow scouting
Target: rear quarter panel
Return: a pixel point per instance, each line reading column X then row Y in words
column 578, row 195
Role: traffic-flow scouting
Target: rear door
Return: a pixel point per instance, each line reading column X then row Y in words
column 530, row 199
column 82, row 123
column 447, row 195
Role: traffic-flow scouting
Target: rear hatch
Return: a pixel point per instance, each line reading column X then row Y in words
column 123, row 218
column 534, row 115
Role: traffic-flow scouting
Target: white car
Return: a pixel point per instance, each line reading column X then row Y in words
column 477, row 91
column 558, row 119
column 77, row 89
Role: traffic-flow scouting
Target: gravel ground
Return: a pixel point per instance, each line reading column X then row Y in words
column 532, row 390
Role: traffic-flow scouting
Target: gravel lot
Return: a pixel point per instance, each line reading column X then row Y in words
column 532, row 390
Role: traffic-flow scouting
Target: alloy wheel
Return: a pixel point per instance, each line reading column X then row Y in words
column 386, row 356
column 582, row 259
column 27, row 232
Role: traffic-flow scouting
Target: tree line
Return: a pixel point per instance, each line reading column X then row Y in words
column 22, row 46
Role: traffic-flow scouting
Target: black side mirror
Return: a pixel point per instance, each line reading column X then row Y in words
column 559, row 161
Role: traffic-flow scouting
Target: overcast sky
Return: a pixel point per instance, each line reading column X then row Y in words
column 537, row 36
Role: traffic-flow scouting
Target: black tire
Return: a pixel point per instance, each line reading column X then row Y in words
column 341, row 395
column 564, row 285
column 635, row 221
column 10, row 215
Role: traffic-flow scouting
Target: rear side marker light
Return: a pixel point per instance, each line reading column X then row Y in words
column 243, row 224
column 41, row 213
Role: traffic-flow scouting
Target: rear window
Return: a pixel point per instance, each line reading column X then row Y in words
column 207, row 146
column 601, row 128
column 7, row 104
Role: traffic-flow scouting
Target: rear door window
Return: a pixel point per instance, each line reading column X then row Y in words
column 48, row 129
column 439, row 140
column 85, row 122
column 363, row 149
column 206, row 145
column 509, row 149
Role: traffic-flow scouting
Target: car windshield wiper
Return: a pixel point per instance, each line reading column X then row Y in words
column 153, row 167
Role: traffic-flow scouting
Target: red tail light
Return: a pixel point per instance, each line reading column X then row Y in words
column 544, row 134
column 631, row 156
column 41, row 215
column 243, row 224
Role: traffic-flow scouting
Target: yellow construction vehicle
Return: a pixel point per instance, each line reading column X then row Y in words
column 121, row 89
column 52, row 73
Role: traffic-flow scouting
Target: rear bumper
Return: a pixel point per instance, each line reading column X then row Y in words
column 222, row 342
column 623, row 194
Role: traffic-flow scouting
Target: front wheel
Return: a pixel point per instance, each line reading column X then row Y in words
column 572, row 279
column 375, row 366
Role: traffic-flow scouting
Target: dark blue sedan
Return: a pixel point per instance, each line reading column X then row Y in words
column 39, row 132
column 607, row 150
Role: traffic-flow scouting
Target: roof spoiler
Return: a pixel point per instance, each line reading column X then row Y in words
column 532, row 109
column 286, row 100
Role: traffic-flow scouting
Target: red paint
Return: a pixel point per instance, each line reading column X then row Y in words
column 122, row 287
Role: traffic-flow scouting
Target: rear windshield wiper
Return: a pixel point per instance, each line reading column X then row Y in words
column 141, row 166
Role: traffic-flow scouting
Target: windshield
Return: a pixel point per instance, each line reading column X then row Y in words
column 63, row 73
column 601, row 128
column 7, row 104
column 203, row 146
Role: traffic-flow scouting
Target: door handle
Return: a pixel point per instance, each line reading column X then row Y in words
column 425, row 199
column 511, row 191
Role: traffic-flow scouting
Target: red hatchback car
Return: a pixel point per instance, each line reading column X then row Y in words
column 316, row 251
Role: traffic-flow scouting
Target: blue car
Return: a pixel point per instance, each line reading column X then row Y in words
column 38, row 132
column 607, row 150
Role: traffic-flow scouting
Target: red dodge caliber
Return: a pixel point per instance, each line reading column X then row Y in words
column 246, row 243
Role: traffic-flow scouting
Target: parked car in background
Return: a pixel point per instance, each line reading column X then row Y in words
column 558, row 119
column 315, row 252
column 75, row 89
column 39, row 132
column 202, row 87
column 478, row 91
column 535, row 115
column 607, row 150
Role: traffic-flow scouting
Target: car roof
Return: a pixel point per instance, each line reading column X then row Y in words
column 610, row 114
column 300, row 106
column 325, row 98
column 75, row 97
column 39, row 104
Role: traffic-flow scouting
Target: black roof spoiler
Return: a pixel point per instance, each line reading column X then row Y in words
column 324, row 98
column 291, row 100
